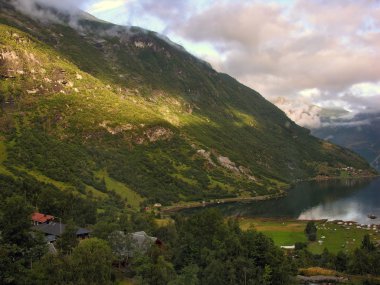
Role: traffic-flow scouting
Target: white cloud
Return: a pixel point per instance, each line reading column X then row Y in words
column 302, row 112
column 310, row 94
column 365, row 89
column 106, row 5
column 311, row 49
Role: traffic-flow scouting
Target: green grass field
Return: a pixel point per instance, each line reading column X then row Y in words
column 331, row 236
column 133, row 198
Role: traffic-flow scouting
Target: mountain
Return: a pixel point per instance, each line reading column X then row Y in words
column 94, row 108
column 360, row 133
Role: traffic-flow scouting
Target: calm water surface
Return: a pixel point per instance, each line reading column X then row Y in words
column 349, row 200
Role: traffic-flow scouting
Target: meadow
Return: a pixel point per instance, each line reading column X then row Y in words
column 330, row 235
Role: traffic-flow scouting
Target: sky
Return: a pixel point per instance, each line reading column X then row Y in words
column 296, row 53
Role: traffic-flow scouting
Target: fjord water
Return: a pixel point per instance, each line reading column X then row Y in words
column 348, row 200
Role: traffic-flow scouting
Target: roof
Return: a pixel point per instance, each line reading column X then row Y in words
column 41, row 218
column 142, row 239
column 82, row 231
column 50, row 238
column 57, row 229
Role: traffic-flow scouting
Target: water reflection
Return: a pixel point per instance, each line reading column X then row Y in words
column 354, row 207
column 349, row 200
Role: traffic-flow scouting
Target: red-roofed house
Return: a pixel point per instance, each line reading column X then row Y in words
column 39, row 218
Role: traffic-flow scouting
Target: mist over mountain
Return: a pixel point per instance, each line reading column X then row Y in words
column 361, row 133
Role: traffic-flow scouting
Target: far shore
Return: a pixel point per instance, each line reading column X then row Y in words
column 281, row 194
column 326, row 178
column 191, row 205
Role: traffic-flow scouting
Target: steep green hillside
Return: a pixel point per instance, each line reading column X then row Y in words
column 103, row 107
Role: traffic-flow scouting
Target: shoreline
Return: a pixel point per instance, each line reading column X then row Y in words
column 327, row 178
column 194, row 205
column 337, row 222
column 281, row 194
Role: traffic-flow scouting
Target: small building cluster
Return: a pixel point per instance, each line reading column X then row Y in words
column 52, row 229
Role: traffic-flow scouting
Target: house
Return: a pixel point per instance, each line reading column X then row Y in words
column 38, row 218
column 54, row 230
column 288, row 247
column 141, row 239
column 141, row 242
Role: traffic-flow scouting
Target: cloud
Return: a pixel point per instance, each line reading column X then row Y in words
column 32, row 9
column 302, row 112
column 106, row 5
column 283, row 48
column 347, row 124
column 30, row 6
column 322, row 52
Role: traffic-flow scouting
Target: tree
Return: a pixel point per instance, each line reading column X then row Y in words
column 15, row 221
column 92, row 262
column 214, row 273
column 188, row 276
column 163, row 271
column 341, row 261
column 367, row 244
column 360, row 262
column 300, row 245
column 18, row 247
column 121, row 245
column 68, row 240
column 53, row 270
column 103, row 229
column 311, row 231
column 327, row 259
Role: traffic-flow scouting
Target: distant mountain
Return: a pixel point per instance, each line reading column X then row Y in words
column 90, row 107
column 360, row 133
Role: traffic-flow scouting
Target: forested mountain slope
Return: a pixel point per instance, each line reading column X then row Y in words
column 90, row 107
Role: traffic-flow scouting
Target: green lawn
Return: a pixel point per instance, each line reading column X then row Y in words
column 339, row 237
column 331, row 236
column 95, row 193
column 282, row 232
column 133, row 198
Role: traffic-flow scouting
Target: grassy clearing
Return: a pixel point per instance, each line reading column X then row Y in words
column 163, row 222
column 331, row 236
column 282, row 232
column 313, row 271
column 95, row 193
column 338, row 237
column 126, row 282
column 133, row 198
column 42, row 178
column 353, row 279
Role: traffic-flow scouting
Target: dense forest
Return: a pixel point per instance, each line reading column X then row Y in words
column 204, row 248
column 201, row 249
